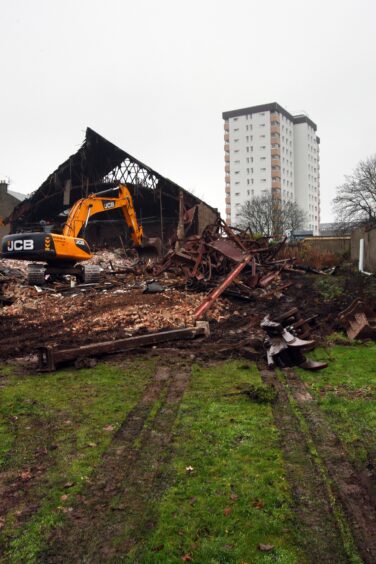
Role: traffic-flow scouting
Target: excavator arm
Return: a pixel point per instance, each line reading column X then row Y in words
column 85, row 208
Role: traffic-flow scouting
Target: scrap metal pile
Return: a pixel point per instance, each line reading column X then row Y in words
column 283, row 345
column 221, row 254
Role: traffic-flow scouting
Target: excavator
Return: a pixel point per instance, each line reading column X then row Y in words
column 60, row 253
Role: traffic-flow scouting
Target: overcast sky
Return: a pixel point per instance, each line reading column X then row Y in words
column 154, row 77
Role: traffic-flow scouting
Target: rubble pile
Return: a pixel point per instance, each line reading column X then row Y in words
column 11, row 272
column 10, row 269
column 115, row 260
column 208, row 259
column 131, row 310
column 120, row 306
column 225, row 276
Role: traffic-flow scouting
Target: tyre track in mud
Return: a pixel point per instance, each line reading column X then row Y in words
column 115, row 512
column 352, row 488
column 333, row 500
column 312, row 506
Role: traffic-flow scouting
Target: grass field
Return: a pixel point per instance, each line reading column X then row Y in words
column 54, row 429
column 346, row 393
column 236, row 496
column 207, row 474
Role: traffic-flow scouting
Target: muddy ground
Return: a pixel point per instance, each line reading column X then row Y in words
column 67, row 317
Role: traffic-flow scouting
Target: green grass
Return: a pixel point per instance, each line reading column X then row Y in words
column 236, row 497
column 330, row 287
column 59, row 424
column 346, row 392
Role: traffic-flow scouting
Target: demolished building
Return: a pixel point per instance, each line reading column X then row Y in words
column 217, row 284
column 161, row 205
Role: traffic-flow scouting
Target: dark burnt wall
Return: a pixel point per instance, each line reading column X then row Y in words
column 99, row 165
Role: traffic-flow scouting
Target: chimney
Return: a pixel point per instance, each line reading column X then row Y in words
column 3, row 186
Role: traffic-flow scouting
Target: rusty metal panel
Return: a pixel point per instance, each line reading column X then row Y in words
column 228, row 248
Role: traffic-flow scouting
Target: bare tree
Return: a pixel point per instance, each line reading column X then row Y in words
column 257, row 215
column 355, row 203
column 293, row 217
column 265, row 215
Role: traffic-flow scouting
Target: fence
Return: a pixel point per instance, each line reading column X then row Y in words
column 369, row 236
column 335, row 245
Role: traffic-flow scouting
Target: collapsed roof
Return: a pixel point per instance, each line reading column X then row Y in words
column 96, row 166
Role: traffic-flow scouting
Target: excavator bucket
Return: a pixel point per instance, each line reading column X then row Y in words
column 151, row 248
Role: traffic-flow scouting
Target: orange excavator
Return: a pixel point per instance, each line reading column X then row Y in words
column 61, row 252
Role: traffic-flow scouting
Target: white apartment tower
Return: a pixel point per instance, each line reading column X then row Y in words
column 268, row 150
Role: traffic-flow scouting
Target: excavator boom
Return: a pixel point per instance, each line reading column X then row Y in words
column 87, row 207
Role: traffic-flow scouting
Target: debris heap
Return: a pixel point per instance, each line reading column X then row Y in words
column 209, row 259
column 283, row 346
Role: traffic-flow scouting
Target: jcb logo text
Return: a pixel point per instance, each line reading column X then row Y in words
column 20, row 245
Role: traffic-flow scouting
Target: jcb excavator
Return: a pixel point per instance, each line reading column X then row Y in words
column 61, row 252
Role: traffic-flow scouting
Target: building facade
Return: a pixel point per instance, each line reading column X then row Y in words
column 270, row 151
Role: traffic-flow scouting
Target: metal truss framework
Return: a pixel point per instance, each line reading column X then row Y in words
column 131, row 172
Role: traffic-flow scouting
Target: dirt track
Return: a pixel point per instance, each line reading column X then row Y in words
column 332, row 498
column 355, row 492
column 134, row 470
column 309, row 493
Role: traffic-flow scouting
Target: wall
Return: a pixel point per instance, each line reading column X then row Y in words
column 107, row 233
column 336, row 245
column 369, row 237
column 7, row 205
column 206, row 216
column 7, row 201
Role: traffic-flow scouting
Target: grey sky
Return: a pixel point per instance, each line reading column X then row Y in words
column 154, row 78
